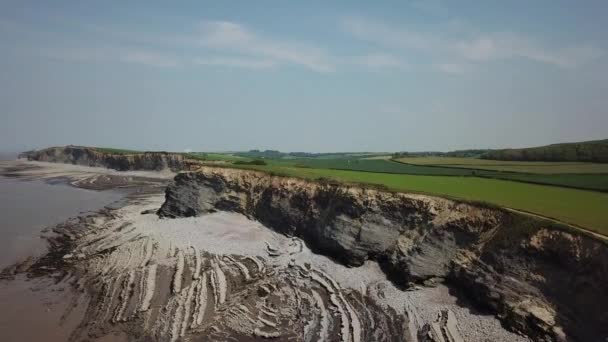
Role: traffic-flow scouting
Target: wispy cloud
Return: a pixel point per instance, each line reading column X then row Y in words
column 503, row 46
column 237, row 46
column 231, row 44
column 150, row 59
column 475, row 48
column 451, row 68
column 247, row 63
column 230, row 36
column 380, row 34
column 226, row 44
column 380, row 60
column 99, row 54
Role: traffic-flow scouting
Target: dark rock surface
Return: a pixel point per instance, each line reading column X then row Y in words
column 540, row 279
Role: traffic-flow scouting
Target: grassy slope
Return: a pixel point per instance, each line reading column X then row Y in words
column 586, row 209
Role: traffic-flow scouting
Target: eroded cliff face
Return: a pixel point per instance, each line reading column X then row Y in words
column 86, row 156
column 541, row 280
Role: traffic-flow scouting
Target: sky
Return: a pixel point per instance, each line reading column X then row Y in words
column 315, row 76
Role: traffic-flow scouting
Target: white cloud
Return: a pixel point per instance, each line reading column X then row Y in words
column 247, row 63
column 451, row 68
column 150, row 59
column 241, row 47
column 209, row 43
column 470, row 47
column 379, row 60
column 481, row 49
column 110, row 54
column 384, row 35
column 238, row 45
column 230, row 36
column 503, row 46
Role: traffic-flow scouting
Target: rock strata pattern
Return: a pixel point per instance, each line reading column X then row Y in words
column 540, row 279
column 155, row 290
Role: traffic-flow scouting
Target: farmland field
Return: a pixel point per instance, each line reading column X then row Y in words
column 598, row 182
column 593, row 181
column 579, row 207
column 377, row 165
column 512, row 166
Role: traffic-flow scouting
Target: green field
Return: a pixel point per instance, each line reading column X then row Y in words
column 511, row 166
column 586, row 209
column 374, row 165
column 598, row 182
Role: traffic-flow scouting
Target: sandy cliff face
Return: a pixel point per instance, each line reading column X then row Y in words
column 123, row 162
column 540, row 280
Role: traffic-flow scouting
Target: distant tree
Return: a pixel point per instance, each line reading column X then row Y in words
column 588, row 151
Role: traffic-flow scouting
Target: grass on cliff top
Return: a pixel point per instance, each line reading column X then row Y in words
column 586, row 209
column 204, row 156
column 116, row 150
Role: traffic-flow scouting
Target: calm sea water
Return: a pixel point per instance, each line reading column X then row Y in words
column 8, row 155
column 27, row 207
column 32, row 310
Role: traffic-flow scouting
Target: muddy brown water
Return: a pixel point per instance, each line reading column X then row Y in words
column 38, row 309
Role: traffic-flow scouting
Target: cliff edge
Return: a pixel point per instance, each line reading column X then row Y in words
column 89, row 156
column 540, row 279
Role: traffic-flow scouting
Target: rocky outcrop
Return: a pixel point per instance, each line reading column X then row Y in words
column 540, row 279
column 88, row 156
column 158, row 287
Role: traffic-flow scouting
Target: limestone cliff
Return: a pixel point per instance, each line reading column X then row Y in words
column 540, row 279
column 88, row 156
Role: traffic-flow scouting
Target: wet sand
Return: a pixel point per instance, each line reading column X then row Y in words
column 38, row 310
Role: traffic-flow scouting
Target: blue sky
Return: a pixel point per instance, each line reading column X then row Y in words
column 302, row 76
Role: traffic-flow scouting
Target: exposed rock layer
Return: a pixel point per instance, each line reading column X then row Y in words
column 87, row 156
column 540, row 279
column 158, row 287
